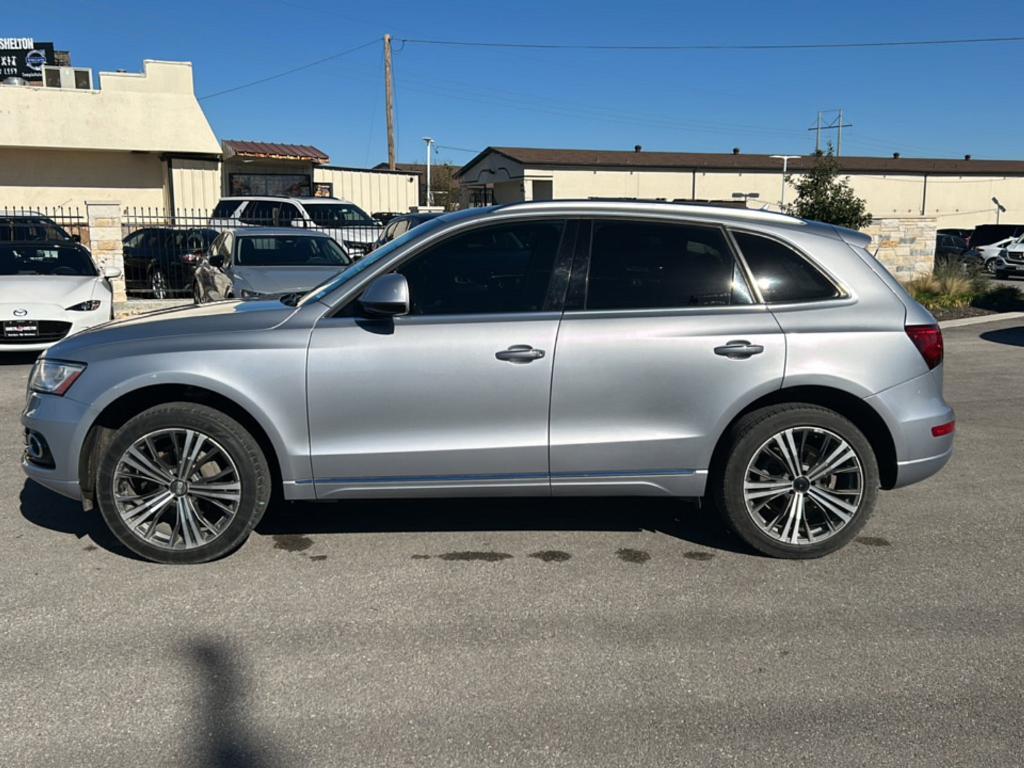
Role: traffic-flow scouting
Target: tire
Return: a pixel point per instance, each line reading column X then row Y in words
column 158, row 284
column 990, row 266
column 224, row 496
column 749, row 468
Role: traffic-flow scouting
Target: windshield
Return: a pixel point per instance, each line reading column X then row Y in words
column 337, row 214
column 289, row 251
column 374, row 258
column 50, row 259
column 284, row 251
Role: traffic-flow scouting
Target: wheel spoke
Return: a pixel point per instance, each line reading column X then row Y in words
column 134, row 459
column 228, row 491
column 831, row 503
column 793, row 514
column 837, row 458
column 143, row 512
column 187, row 524
column 192, row 447
column 753, row 490
column 783, row 441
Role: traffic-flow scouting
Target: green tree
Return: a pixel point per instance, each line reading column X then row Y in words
column 822, row 195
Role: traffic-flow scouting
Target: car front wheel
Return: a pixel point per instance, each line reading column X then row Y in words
column 182, row 483
column 799, row 481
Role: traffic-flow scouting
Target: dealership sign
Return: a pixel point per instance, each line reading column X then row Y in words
column 24, row 57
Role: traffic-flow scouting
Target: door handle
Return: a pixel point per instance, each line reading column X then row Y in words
column 739, row 350
column 520, row 353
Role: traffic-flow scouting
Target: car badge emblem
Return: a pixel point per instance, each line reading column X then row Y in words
column 20, row 312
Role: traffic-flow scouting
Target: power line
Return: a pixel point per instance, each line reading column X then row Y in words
column 292, row 71
column 746, row 47
column 458, row 149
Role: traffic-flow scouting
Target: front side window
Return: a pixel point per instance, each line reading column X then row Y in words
column 782, row 274
column 286, row 251
column 497, row 269
column 655, row 265
column 259, row 213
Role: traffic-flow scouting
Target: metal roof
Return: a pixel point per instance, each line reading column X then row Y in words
column 272, row 151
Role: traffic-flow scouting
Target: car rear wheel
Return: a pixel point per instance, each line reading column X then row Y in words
column 158, row 284
column 990, row 266
column 182, row 483
column 799, row 480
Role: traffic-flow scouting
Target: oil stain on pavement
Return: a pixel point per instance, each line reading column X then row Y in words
column 551, row 556
column 698, row 555
column 872, row 541
column 637, row 556
column 490, row 557
column 292, row 543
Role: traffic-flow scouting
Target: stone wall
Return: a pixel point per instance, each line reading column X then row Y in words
column 105, row 244
column 906, row 246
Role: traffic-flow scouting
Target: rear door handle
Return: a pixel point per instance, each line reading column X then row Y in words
column 520, row 353
column 739, row 349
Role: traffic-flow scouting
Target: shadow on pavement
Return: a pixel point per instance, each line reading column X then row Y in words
column 50, row 510
column 1013, row 337
column 225, row 737
column 685, row 520
column 681, row 519
column 18, row 358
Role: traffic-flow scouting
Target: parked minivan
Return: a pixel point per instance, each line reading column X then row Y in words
column 766, row 363
column 346, row 222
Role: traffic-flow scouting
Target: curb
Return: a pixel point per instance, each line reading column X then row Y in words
column 979, row 320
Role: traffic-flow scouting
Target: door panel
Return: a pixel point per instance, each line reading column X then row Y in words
column 423, row 403
column 645, row 396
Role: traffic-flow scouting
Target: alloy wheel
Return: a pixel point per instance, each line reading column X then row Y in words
column 177, row 488
column 158, row 284
column 803, row 485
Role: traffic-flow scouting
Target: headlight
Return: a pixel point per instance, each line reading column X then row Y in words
column 86, row 306
column 54, row 377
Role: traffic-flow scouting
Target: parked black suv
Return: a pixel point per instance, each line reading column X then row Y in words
column 31, row 228
column 160, row 261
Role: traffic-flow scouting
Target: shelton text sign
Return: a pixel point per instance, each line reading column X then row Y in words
column 24, row 57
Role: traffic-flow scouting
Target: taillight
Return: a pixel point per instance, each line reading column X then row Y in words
column 928, row 340
column 944, row 429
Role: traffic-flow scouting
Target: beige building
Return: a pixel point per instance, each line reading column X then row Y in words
column 950, row 193
column 60, row 147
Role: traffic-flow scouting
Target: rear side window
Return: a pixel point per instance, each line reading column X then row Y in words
column 782, row 274
column 224, row 209
column 653, row 265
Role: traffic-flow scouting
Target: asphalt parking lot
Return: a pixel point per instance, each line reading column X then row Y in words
column 532, row 632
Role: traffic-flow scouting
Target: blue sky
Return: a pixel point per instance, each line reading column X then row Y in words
column 934, row 101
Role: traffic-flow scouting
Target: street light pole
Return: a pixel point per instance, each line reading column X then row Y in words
column 430, row 145
column 785, row 164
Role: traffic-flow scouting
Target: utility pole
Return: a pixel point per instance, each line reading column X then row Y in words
column 835, row 124
column 389, row 95
column 785, row 164
column 430, row 145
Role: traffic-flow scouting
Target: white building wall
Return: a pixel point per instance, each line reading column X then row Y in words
column 373, row 191
column 196, row 185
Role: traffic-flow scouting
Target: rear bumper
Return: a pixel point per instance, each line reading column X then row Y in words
column 911, row 410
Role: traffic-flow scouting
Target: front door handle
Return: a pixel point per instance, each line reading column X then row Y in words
column 520, row 353
column 739, row 349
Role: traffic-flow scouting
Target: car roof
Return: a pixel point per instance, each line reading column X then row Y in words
column 275, row 198
column 713, row 214
column 277, row 232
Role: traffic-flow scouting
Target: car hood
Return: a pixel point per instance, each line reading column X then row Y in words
column 157, row 330
column 274, row 280
column 64, row 290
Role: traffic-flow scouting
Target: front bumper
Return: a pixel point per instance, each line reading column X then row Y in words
column 77, row 321
column 1013, row 267
column 62, row 421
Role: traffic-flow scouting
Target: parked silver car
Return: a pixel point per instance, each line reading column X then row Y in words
column 541, row 349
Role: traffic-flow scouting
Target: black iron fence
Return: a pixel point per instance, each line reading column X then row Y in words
column 44, row 223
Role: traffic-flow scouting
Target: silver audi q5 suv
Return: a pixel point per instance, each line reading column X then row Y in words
column 768, row 364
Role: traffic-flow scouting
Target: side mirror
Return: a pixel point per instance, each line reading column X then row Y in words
column 216, row 260
column 76, row 238
column 111, row 272
column 387, row 296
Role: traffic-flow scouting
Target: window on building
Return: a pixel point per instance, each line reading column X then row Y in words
column 652, row 265
column 283, row 184
column 504, row 268
column 782, row 274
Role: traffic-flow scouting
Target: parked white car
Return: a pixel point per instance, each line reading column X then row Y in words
column 50, row 290
column 1010, row 261
column 345, row 222
column 989, row 253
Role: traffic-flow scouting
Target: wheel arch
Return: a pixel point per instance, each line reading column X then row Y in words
column 854, row 408
column 129, row 404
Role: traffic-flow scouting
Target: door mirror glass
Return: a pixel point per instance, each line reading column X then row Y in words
column 387, row 296
column 216, row 260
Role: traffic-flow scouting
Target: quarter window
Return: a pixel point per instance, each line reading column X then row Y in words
column 653, row 265
column 490, row 270
column 782, row 274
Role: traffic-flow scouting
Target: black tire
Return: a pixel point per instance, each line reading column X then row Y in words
column 746, row 437
column 990, row 266
column 253, row 473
